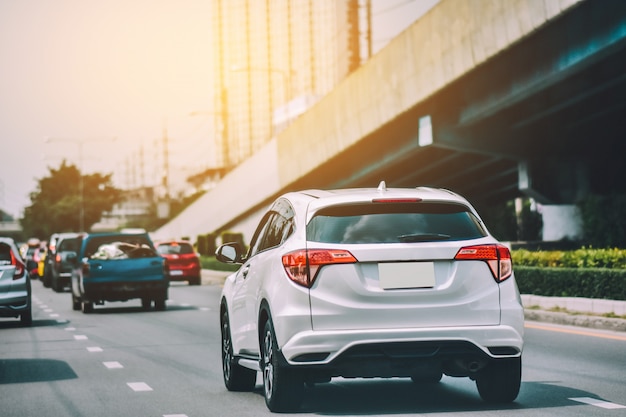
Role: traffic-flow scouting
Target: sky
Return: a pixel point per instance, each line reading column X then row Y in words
column 98, row 82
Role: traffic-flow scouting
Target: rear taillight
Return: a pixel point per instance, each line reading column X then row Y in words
column 20, row 268
column 498, row 257
column 303, row 265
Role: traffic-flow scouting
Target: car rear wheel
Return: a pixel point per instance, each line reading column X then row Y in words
column 75, row 303
column 159, row 305
column 87, row 307
column 236, row 377
column 500, row 381
column 26, row 318
column 283, row 388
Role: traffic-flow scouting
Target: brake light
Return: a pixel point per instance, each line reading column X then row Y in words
column 396, row 200
column 498, row 257
column 303, row 265
column 20, row 268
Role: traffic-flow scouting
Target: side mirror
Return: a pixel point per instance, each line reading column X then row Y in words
column 229, row 253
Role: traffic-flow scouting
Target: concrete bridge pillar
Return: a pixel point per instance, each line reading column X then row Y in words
column 556, row 184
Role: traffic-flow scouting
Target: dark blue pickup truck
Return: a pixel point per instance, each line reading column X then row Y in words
column 118, row 267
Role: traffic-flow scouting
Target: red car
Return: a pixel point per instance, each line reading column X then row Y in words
column 182, row 259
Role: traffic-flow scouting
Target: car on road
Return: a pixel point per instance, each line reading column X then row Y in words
column 182, row 259
column 15, row 286
column 29, row 253
column 51, row 256
column 62, row 264
column 117, row 266
column 370, row 282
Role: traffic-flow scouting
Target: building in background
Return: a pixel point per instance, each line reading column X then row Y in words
column 274, row 59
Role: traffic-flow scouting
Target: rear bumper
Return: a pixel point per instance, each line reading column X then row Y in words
column 335, row 349
column 123, row 291
column 13, row 306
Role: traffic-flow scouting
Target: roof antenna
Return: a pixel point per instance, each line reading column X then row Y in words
column 382, row 186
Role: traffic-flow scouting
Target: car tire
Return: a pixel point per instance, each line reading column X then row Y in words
column 500, row 381
column 75, row 303
column 283, row 388
column 159, row 305
column 56, row 285
column 87, row 307
column 236, row 377
column 26, row 318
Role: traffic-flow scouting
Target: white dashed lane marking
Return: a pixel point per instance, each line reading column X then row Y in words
column 70, row 329
column 94, row 349
column 80, row 337
column 113, row 365
column 139, row 386
column 598, row 403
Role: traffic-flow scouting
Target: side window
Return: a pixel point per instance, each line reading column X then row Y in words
column 256, row 245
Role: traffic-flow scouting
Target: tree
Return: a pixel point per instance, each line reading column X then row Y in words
column 60, row 197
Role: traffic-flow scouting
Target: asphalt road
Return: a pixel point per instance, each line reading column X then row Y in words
column 123, row 361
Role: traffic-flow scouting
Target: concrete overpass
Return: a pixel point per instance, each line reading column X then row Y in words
column 492, row 99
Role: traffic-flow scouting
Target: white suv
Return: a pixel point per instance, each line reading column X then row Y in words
column 370, row 283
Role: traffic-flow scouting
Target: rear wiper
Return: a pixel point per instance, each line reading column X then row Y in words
column 423, row 237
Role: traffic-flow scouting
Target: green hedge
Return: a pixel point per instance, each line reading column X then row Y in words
column 580, row 258
column 601, row 283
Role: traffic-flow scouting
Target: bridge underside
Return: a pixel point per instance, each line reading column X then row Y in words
column 546, row 118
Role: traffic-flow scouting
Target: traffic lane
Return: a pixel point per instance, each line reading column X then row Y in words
column 106, row 361
column 581, row 359
column 173, row 358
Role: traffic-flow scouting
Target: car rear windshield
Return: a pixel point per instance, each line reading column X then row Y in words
column 394, row 223
column 118, row 246
column 5, row 254
column 175, row 248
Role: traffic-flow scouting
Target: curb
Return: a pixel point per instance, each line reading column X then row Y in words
column 578, row 320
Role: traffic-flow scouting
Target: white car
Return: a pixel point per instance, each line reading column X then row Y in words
column 370, row 283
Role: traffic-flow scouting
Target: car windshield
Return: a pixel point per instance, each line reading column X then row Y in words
column 174, row 248
column 394, row 223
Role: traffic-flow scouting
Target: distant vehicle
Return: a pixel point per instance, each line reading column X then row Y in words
column 15, row 288
column 62, row 264
column 118, row 267
column 40, row 257
column 182, row 259
column 28, row 253
column 51, row 257
column 371, row 282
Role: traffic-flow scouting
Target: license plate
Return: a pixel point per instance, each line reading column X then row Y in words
column 176, row 273
column 399, row 275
